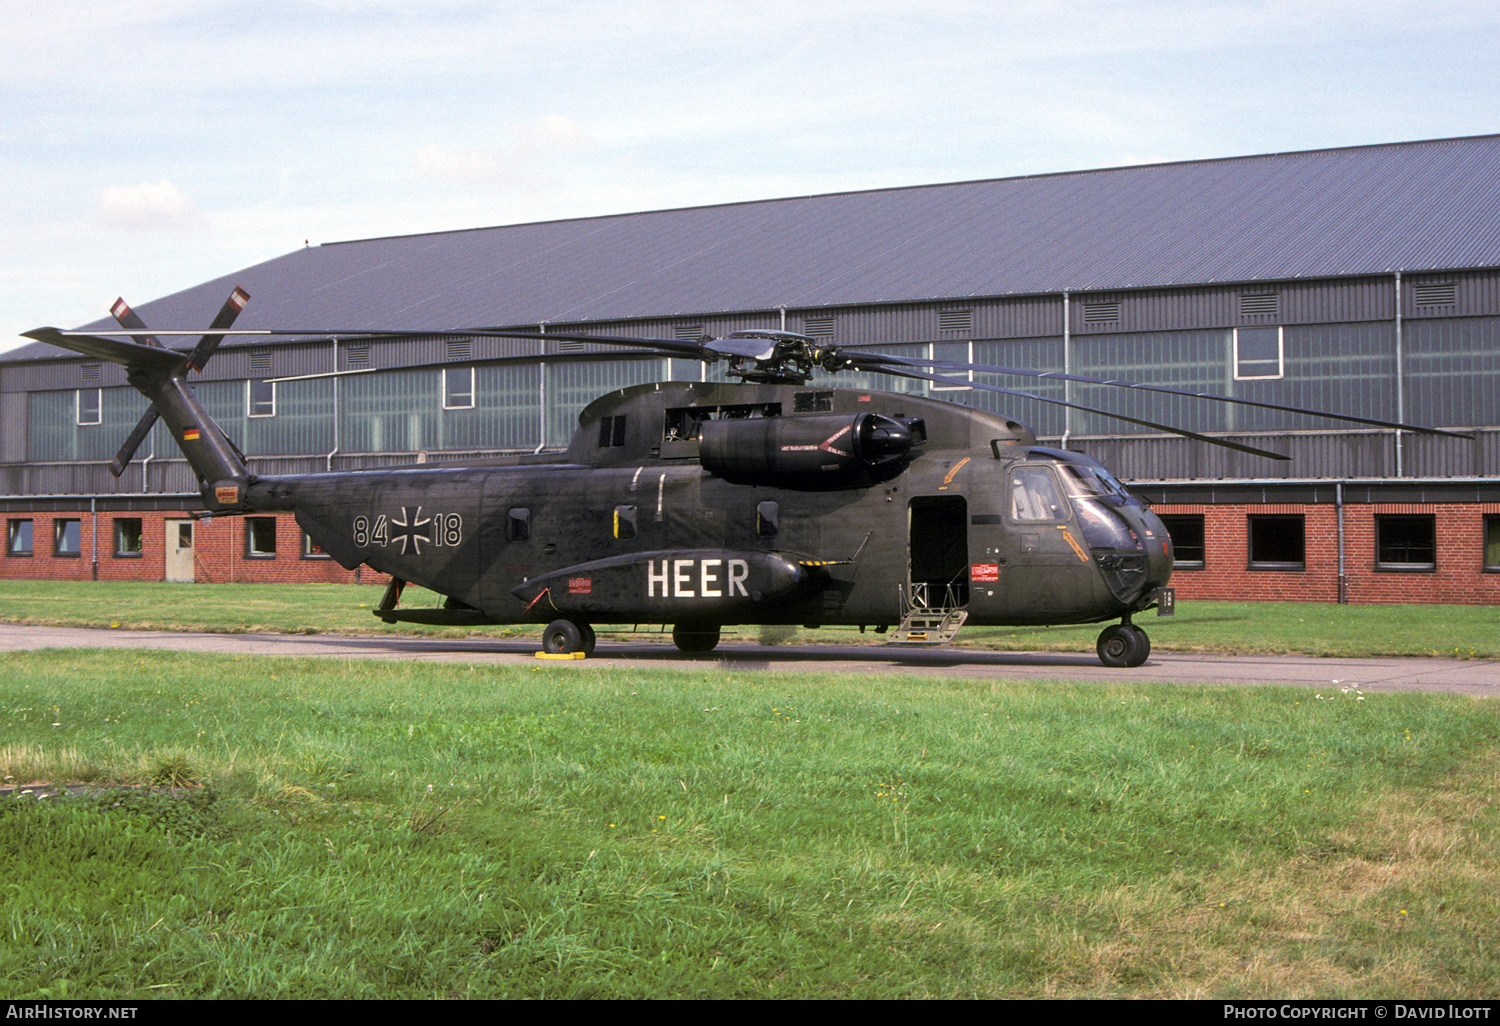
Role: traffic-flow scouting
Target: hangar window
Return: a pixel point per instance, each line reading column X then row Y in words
column 260, row 398
column 1278, row 542
column 311, row 549
column 458, row 388
column 1188, row 545
column 67, row 538
column 1257, row 353
column 1492, row 542
column 88, row 406
column 1405, row 541
column 260, row 537
column 128, row 537
column 18, row 538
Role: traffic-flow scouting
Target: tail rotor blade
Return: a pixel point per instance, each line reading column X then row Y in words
column 133, row 441
column 221, row 322
column 128, row 318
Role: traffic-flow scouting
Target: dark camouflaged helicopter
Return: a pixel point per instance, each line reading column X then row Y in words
column 769, row 499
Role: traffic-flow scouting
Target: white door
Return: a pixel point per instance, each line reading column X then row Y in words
column 179, row 548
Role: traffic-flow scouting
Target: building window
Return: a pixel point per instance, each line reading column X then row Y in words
column 67, row 538
column 1278, row 542
column 128, row 537
column 458, row 388
column 260, row 537
column 260, row 398
column 1188, row 546
column 1405, row 541
column 89, row 405
column 18, row 537
column 1492, row 542
column 1257, row 353
column 311, row 549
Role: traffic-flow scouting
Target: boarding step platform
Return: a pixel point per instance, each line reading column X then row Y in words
column 924, row 624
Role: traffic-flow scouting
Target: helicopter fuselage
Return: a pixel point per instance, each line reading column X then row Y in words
column 704, row 505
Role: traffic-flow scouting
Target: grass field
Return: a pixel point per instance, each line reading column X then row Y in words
column 330, row 828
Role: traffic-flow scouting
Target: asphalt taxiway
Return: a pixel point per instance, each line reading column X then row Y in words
column 1451, row 676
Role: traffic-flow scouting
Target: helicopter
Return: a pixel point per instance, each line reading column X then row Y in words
column 768, row 499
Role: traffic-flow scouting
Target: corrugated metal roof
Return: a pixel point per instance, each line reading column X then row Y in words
column 1431, row 205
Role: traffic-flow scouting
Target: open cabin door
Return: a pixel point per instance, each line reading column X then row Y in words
column 937, row 570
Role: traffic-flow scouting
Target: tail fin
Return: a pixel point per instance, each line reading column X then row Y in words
column 161, row 376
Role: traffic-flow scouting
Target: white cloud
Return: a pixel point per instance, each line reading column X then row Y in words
column 527, row 160
column 149, row 207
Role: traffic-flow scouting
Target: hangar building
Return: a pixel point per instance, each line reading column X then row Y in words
column 1363, row 280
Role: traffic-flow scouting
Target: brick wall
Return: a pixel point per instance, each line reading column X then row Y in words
column 219, row 552
column 1458, row 578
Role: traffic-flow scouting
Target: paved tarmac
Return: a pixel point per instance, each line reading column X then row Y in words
column 1449, row 676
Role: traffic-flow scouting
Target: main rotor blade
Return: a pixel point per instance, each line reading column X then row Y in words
column 1120, row 383
column 1221, row 442
column 695, row 349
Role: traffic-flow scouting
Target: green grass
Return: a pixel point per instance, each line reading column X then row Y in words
column 1466, row 632
column 363, row 829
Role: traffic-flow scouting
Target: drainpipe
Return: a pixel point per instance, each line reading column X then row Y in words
column 328, row 460
column 94, row 532
column 1338, row 504
column 541, row 377
column 1400, row 377
column 1067, row 369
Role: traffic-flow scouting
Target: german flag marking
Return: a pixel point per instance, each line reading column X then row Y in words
column 190, row 434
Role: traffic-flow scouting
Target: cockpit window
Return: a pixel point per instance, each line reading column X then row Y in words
column 1080, row 480
column 1034, row 495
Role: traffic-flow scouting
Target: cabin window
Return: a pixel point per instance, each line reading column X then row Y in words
column 1405, row 542
column 67, row 538
column 1034, row 495
column 611, row 431
column 128, row 537
column 18, row 537
column 458, row 388
column 89, row 406
column 767, row 519
column 311, row 549
column 1189, row 550
column 1277, row 542
column 625, row 525
column 260, row 398
column 1257, row 353
column 518, row 524
column 260, row 537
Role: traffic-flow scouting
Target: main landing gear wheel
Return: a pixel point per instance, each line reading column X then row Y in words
column 563, row 637
column 1123, row 645
column 696, row 639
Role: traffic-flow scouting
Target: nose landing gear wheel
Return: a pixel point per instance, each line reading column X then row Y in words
column 1123, row 645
